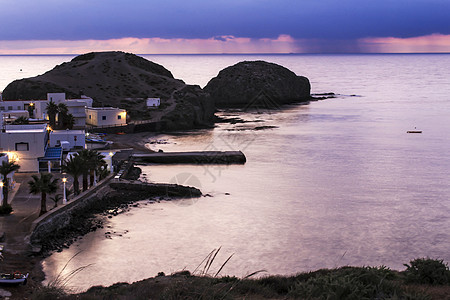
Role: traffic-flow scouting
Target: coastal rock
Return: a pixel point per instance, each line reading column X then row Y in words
column 122, row 80
column 253, row 82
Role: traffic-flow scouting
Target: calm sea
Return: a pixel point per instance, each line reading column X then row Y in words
column 337, row 182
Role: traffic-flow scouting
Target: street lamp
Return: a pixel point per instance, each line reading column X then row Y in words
column 64, row 180
column 111, row 169
column 1, row 191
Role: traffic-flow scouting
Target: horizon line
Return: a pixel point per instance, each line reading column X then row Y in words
column 237, row 53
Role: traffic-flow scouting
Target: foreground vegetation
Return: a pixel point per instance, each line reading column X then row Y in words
column 423, row 279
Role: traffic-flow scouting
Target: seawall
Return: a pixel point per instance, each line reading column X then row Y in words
column 108, row 193
column 194, row 157
column 61, row 216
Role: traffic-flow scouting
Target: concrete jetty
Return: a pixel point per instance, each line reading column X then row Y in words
column 194, row 157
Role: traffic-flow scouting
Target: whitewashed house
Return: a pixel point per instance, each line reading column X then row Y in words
column 14, row 107
column 24, row 144
column 153, row 102
column 12, row 115
column 68, row 139
column 76, row 107
column 106, row 116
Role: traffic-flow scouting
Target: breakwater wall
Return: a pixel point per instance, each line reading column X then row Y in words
column 157, row 189
column 61, row 216
column 194, row 157
column 61, row 222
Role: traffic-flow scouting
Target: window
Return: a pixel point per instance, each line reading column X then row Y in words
column 103, row 117
column 2, row 108
column 22, row 147
column 119, row 117
column 10, row 108
column 19, row 107
column 90, row 117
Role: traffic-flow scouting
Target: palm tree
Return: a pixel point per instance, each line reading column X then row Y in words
column 70, row 121
column 74, row 167
column 5, row 169
column 52, row 110
column 43, row 185
column 62, row 115
column 56, row 199
column 20, row 121
column 95, row 164
column 86, row 156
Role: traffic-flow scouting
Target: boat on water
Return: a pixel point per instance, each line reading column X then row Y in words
column 414, row 131
column 14, row 278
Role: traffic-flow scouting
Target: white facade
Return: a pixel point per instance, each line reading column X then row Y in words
column 106, row 116
column 10, row 116
column 24, row 144
column 68, row 139
column 13, row 105
column 76, row 107
column 153, row 102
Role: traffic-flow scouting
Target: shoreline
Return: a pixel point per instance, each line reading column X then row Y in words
column 87, row 220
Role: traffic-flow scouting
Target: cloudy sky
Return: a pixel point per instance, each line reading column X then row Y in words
column 224, row 26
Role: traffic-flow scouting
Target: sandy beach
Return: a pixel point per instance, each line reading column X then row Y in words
column 137, row 141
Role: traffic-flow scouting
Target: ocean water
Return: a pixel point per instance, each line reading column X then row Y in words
column 336, row 182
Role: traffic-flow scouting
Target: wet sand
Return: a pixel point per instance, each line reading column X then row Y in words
column 137, row 141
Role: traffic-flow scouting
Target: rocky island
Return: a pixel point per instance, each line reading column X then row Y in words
column 251, row 82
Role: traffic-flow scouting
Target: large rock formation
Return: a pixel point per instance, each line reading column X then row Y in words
column 122, row 80
column 253, row 82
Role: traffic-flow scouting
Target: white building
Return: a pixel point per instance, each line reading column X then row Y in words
column 106, row 116
column 76, row 107
column 68, row 139
column 12, row 115
column 24, row 144
column 153, row 102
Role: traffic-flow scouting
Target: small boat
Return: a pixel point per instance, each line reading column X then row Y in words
column 15, row 278
column 414, row 131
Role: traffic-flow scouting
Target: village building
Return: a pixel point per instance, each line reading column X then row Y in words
column 153, row 102
column 36, row 109
column 68, row 139
column 106, row 116
column 76, row 107
column 24, row 144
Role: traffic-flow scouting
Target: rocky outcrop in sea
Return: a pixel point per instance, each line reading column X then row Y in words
column 257, row 83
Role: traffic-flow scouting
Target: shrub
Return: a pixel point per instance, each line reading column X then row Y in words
column 5, row 209
column 427, row 271
column 346, row 283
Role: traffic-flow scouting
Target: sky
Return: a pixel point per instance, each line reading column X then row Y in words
column 224, row 26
